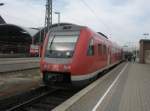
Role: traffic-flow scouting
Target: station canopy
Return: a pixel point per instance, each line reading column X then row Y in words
column 11, row 33
column 16, row 34
column 2, row 21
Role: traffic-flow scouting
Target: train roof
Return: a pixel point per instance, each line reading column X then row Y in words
column 100, row 33
column 56, row 27
column 65, row 26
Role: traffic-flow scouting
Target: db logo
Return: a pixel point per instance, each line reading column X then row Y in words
column 55, row 67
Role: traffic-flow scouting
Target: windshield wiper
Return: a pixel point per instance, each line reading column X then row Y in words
column 51, row 43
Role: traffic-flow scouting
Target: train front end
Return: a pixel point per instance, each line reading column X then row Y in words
column 58, row 52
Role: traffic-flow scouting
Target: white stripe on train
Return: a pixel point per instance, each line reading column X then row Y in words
column 90, row 75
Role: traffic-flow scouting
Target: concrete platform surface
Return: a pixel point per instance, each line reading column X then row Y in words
column 125, row 88
column 86, row 99
column 131, row 92
column 18, row 60
column 16, row 67
column 14, row 64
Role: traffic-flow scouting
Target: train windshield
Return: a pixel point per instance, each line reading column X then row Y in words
column 61, row 46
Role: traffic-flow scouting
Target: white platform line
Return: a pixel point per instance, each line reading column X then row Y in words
column 105, row 94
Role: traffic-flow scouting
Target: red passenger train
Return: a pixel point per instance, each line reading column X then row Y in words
column 76, row 54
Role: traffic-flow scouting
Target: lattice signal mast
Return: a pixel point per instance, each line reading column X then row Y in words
column 48, row 15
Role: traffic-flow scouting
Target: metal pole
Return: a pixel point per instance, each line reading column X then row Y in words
column 59, row 18
column 58, row 13
column 48, row 16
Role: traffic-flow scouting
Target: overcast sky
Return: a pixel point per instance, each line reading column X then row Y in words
column 124, row 21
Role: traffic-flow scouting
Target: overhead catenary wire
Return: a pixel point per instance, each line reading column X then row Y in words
column 94, row 13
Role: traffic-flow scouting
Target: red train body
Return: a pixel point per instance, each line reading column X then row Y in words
column 76, row 54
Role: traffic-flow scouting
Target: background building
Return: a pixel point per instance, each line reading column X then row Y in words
column 145, row 51
column 15, row 40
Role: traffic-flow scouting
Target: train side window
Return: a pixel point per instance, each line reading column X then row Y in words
column 100, row 49
column 91, row 48
column 112, row 50
column 104, row 49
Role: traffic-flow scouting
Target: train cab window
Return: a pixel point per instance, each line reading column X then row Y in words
column 61, row 45
column 91, row 48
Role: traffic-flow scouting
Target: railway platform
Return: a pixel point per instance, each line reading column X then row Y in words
column 15, row 64
column 125, row 88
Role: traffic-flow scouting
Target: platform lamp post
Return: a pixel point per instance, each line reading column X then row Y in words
column 58, row 13
column 146, row 35
column 40, row 42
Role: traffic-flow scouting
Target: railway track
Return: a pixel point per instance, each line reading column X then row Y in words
column 41, row 99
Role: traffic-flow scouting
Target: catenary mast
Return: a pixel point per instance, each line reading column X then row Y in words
column 48, row 16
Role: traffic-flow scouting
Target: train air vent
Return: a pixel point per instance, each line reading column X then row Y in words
column 66, row 27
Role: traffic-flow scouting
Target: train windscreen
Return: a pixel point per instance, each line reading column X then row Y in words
column 61, row 46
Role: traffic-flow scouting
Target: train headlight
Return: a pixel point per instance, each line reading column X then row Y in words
column 68, row 53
